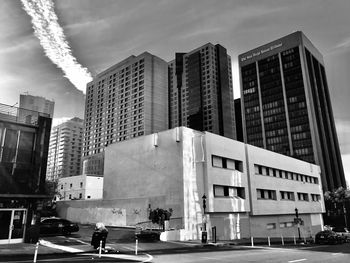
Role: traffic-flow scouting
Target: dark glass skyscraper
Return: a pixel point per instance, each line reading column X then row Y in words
column 286, row 104
column 200, row 91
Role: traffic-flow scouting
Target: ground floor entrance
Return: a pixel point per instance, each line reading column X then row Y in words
column 12, row 225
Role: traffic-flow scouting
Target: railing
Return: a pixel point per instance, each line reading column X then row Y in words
column 20, row 115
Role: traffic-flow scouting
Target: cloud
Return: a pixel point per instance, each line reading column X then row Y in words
column 346, row 166
column 58, row 121
column 25, row 44
column 344, row 44
column 343, row 131
column 53, row 41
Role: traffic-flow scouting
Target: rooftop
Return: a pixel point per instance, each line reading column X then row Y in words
column 20, row 115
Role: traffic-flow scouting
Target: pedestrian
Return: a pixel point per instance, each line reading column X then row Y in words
column 100, row 233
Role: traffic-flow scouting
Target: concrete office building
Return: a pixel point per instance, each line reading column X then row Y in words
column 65, row 150
column 250, row 191
column 200, row 91
column 127, row 100
column 23, row 157
column 286, row 104
column 36, row 103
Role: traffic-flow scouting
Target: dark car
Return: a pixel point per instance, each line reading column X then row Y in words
column 328, row 237
column 342, row 231
column 148, row 235
column 55, row 225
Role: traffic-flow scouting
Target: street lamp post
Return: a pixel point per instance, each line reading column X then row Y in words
column 298, row 222
column 204, row 232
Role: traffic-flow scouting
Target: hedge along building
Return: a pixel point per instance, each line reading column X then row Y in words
column 250, row 191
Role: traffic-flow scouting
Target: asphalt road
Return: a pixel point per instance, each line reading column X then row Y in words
column 190, row 254
column 122, row 241
column 326, row 253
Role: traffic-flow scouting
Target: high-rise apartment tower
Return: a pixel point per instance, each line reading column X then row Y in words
column 200, row 91
column 286, row 104
column 65, row 150
column 127, row 100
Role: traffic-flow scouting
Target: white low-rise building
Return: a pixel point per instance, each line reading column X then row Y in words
column 249, row 191
column 80, row 187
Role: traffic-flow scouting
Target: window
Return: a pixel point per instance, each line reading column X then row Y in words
column 303, row 197
column 266, row 194
column 226, row 163
column 228, row 191
column 61, row 186
column 88, row 196
column 71, row 185
column 286, row 224
column 271, row 226
column 81, row 184
column 315, row 197
column 70, row 196
column 287, row 195
column 80, row 196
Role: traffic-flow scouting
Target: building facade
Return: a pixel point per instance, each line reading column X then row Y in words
column 80, row 187
column 200, row 91
column 249, row 191
column 286, row 104
column 23, row 158
column 65, row 150
column 37, row 103
column 127, row 100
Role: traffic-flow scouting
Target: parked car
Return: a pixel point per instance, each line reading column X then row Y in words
column 56, row 225
column 328, row 237
column 148, row 235
column 343, row 231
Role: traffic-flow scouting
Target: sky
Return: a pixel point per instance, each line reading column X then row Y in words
column 52, row 48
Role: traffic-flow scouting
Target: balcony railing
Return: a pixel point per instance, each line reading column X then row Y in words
column 20, row 115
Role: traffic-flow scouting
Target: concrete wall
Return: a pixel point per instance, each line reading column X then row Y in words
column 121, row 212
column 146, row 166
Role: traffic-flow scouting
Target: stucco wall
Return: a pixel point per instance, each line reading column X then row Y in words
column 139, row 169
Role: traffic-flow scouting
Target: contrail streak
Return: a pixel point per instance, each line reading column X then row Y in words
column 53, row 41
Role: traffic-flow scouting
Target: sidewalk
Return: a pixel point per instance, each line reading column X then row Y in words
column 26, row 249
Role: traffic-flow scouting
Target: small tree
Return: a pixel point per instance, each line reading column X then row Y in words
column 158, row 216
column 338, row 198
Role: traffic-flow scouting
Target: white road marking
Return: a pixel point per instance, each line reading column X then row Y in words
column 297, row 260
column 148, row 258
column 78, row 240
column 129, row 248
column 64, row 248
